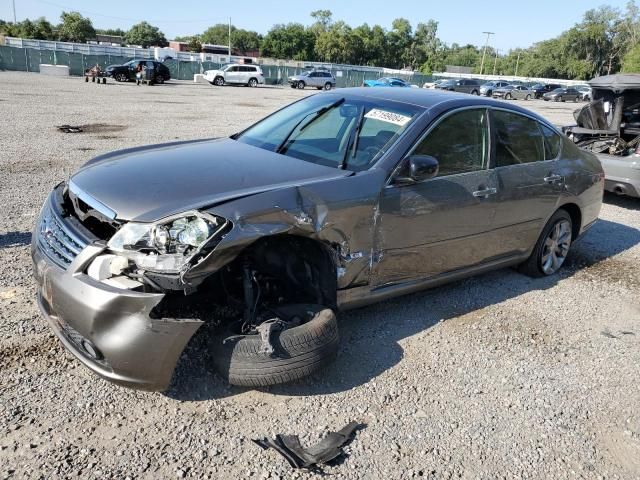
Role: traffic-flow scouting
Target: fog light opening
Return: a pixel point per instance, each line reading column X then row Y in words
column 91, row 350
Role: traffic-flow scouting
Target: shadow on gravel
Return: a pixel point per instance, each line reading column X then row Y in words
column 371, row 336
column 630, row 203
column 14, row 239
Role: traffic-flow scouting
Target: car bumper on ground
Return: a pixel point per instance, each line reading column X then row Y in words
column 108, row 329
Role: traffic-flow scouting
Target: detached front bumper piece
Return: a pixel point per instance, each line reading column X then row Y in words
column 107, row 328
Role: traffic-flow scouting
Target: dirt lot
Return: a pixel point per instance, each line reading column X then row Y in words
column 499, row 376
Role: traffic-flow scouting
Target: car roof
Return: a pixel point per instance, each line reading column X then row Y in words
column 431, row 99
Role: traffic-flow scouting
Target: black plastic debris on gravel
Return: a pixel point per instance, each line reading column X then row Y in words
column 326, row 451
column 15, row 239
column 90, row 128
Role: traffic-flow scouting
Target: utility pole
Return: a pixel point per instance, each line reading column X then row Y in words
column 495, row 62
column 229, row 38
column 517, row 64
column 488, row 34
column 14, row 12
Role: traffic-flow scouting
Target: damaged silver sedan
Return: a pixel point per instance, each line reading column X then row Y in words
column 339, row 200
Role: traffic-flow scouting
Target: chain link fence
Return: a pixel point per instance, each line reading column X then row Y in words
column 29, row 60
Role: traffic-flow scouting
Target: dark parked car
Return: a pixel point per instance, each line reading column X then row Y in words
column 540, row 89
column 127, row 71
column 339, row 200
column 562, row 94
column 487, row 88
column 463, row 85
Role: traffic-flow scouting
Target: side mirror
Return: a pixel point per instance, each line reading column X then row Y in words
column 418, row 168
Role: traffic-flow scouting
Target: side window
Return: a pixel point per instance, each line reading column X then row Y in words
column 551, row 143
column 459, row 143
column 518, row 139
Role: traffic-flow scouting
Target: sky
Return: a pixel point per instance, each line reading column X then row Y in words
column 516, row 24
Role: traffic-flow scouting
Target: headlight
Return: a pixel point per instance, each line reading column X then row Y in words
column 167, row 246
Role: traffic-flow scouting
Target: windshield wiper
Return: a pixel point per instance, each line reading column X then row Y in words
column 283, row 146
column 354, row 148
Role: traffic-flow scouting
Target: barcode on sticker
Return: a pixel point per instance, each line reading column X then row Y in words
column 389, row 117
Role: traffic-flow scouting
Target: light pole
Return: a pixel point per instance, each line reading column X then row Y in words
column 517, row 64
column 14, row 12
column 229, row 39
column 495, row 62
column 488, row 34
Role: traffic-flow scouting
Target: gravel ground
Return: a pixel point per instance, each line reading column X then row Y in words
column 498, row 376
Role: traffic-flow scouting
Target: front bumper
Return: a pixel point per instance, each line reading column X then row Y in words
column 108, row 329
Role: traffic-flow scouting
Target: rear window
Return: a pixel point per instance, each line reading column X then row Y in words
column 551, row 143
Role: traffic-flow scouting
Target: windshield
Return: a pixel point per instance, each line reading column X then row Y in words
column 558, row 90
column 332, row 130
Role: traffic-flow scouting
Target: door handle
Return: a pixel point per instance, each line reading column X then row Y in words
column 553, row 178
column 484, row 193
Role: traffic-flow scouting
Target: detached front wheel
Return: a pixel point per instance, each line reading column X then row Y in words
column 297, row 351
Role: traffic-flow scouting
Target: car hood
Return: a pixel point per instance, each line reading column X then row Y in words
column 149, row 183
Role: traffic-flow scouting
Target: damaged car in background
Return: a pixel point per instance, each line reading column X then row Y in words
column 336, row 201
column 609, row 126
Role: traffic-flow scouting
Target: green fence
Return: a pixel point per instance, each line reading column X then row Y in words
column 29, row 60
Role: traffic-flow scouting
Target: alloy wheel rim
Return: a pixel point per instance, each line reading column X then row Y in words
column 556, row 247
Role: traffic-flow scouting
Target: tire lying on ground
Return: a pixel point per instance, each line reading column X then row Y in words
column 299, row 351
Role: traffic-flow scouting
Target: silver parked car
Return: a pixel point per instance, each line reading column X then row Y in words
column 522, row 92
column 250, row 75
column 622, row 173
column 320, row 79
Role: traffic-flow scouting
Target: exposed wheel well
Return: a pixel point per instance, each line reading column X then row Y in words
column 576, row 218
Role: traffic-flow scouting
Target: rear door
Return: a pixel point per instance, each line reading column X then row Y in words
column 444, row 223
column 525, row 158
column 232, row 75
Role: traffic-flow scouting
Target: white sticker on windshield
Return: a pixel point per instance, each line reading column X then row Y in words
column 389, row 117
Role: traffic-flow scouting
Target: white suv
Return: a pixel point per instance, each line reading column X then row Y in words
column 250, row 75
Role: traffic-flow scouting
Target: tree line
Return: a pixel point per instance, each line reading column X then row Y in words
column 606, row 40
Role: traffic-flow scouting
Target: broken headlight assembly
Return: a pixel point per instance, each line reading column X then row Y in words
column 169, row 245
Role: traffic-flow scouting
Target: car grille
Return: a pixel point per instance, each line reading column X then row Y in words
column 55, row 240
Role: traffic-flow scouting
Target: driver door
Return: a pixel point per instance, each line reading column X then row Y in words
column 444, row 223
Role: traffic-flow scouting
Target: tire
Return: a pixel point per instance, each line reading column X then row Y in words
column 327, row 86
column 159, row 79
column 508, row 97
column 534, row 266
column 560, row 99
column 218, row 81
column 252, row 83
column 301, row 85
column 300, row 351
column 474, row 92
column 490, row 93
column 121, row 77
column 528, row 97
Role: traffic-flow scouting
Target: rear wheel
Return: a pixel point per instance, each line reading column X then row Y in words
column 475, row 92
column 327, row 86
column 252, row 82
column 159, row 79
column 551, row 248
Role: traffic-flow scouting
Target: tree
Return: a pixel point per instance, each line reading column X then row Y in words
column 631, row 61
column 194, row 45
column 146, row 35
column 75, row 28
column 217, row 34
column 115, row 32
column 245, row 40
column 292, row 41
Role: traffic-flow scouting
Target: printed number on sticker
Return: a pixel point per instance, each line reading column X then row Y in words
column 388, row 117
